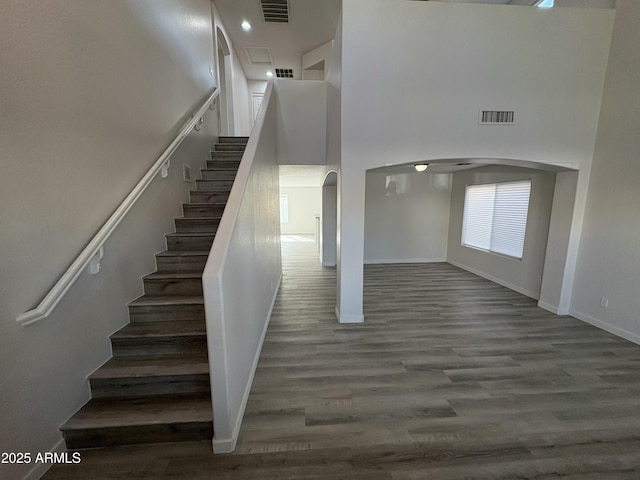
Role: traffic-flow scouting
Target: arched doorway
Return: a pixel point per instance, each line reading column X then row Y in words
column 225, row 111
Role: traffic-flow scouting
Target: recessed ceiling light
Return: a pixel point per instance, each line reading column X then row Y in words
column 421, row 167
column 246, row 26
column 269, row 74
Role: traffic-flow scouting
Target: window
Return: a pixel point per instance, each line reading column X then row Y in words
column 544, row 3
column 495, row 217
column 284, row 208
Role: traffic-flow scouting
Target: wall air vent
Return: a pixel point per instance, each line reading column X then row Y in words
column 275, row 11
column 284, row 72
column 496, row 117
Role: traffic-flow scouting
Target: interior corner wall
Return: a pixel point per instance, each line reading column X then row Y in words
column 314, row 57
column 406, row 217
column 609, row 258
column 302, row 122
column 522, row 275
column 334, row 135
column 94, row 93
column 242, row 119
column 304, row 204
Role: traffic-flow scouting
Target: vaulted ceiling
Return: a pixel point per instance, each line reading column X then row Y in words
column 311, row 23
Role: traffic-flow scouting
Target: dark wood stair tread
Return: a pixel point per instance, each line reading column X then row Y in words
column 186, row 275
column 153, row 410
column 183, row 253
column 154, row 300
column 152, row 365
column 156, row 387
column 161, row 329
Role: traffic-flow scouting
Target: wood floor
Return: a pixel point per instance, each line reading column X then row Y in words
column 451, row 377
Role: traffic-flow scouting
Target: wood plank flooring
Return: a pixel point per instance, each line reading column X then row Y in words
column 451, row 377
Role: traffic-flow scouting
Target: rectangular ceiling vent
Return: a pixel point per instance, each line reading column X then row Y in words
column 284, row 72
column 496, row 117
column 275, row 11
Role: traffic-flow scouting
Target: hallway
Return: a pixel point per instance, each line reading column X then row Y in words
column 451, row 377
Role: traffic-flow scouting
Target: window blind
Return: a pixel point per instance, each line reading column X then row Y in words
column 495, row 217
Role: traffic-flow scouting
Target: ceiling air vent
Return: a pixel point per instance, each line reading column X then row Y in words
column 496, row 117
column 275, row 11
column 284, row 72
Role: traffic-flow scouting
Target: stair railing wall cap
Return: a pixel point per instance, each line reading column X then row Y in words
column 94, row 248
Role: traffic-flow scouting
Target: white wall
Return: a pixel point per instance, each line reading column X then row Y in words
column 334, row 149
column 241, row 278
column 256, row 87
column 241, row 98
column 94, row 93
column 240, row 109
column 525, row 275
column 407, row 220
column 609, row 259
column 304, row 204
column 415, row 75
column 302, row 122
column 573, row 3
column 328, row 230
column 318, row 56
column 558, row 241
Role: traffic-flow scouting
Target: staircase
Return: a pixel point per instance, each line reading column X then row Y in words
column 156, row 388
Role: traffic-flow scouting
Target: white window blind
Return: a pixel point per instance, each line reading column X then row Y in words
column 495, row 217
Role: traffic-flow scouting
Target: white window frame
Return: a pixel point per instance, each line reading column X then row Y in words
column 284, row 208
column 495, row 217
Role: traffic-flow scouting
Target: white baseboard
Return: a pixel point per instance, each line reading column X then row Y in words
column 497, row 280
column 549, row 307
column 349, row 318
column 620, row 332
column 41, row 468
column 228, row 445
column 382, row 261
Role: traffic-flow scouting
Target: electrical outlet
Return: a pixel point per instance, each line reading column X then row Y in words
column 604, row 302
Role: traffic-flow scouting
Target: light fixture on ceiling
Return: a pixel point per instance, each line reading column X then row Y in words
column 543, row 3
column 421, row 167
column 269, row 74
column 246, row 26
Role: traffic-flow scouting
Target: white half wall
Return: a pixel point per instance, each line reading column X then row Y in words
column 522, row 275
column 302, row 122
column 416, row 74
column 406, row 217
column 609, row 258
column 241, row 278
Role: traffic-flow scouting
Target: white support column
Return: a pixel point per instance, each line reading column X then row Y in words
column 350, row 272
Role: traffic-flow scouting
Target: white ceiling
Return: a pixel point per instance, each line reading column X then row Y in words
column 311, row 24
